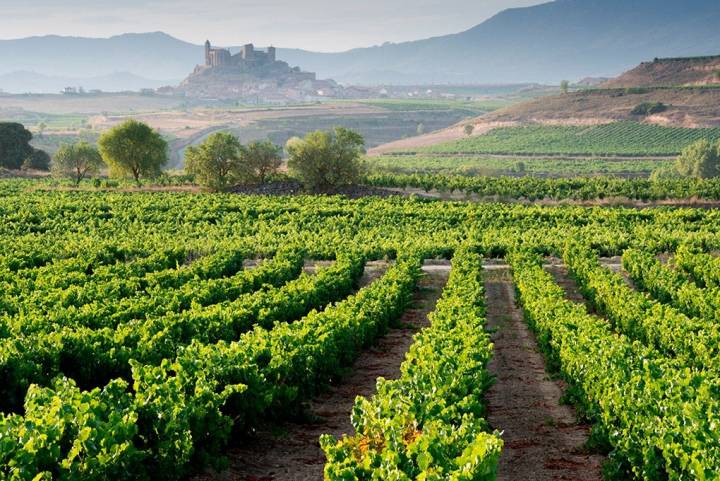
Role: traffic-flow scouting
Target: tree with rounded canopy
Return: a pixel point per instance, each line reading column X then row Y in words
column 469, row 129
column 14, row 145
column 323, row 160
column 700, row 160
column 260, row 159
column 76, row 161
column 38, row 160
column 133, row 149
column 216, row 162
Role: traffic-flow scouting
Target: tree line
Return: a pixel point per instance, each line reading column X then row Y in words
column 321, row 161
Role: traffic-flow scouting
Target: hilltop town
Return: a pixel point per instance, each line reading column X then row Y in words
column 253, row 75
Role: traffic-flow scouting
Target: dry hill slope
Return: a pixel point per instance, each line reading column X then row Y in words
column 671, row 72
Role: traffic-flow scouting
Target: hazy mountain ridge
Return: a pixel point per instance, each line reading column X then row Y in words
column 33, row 82
column 564, row 39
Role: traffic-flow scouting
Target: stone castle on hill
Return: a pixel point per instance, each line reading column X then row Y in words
column 252, row 74
column 219, row 57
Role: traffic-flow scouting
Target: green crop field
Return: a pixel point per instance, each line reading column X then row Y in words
column 497, row 166
column 614, row 139
column 143, row 333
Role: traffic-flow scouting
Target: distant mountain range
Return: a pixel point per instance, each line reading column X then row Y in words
column 563, row 39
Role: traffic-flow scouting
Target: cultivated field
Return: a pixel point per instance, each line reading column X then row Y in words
column 516, row 165
column 57, row 119
column 152, row 335
column 616, row 139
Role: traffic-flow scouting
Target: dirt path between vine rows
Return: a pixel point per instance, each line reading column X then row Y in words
column 543, row 440
column 290, row 451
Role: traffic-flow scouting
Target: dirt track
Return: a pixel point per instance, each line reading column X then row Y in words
column 543, row 440
column 290, row 451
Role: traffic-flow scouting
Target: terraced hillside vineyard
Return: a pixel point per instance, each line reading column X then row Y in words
column 148, row 335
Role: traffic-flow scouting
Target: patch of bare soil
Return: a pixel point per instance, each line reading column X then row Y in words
column 543, row 439
column 564, row 279
column 449, row 134
column 290, row 451
column 311, row 266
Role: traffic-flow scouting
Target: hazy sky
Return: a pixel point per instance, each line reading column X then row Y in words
column 326, row 25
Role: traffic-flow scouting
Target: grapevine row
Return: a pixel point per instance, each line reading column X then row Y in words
column 430, row 420
column 616, row 138
column 658, row 415
column 694, row 341
column 91, row 356
column 182, row 411
column 107, row 303
column 670, row 286
column 703, row 267
column 536, row 188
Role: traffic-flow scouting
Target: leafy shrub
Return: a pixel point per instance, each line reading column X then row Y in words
column 323, row 161
column 215, row 163
column 14, row 145
column 133, row 149
column 700, row 160
column 649, row 108
column 38, row 160
column 637, row 90
column 76, row 161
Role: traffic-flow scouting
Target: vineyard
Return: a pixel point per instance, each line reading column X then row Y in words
column 501, row 165
column 555, row 189
column 626, row 138
column 153, row 336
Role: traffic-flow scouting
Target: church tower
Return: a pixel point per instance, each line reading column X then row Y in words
column 207, row 53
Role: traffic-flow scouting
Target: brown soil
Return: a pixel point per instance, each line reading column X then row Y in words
column 373, row 270
column 669, row 72
column 543, row 440
column 440, row 136
column 196, row 123
column 312, row 266
column 564, row 279
column 290, row 451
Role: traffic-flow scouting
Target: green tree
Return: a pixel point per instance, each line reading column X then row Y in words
column 76, row 161
column 216, row 163
column 564, row 86
column 38, row 160
column 323, row 161
column 700, row 159
column 664, row 173
column 260, row 159
column 14, row 145
column 469, row 129
column 41, row 128
column 133, row 149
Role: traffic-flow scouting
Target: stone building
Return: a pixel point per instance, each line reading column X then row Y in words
column 221, row 57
